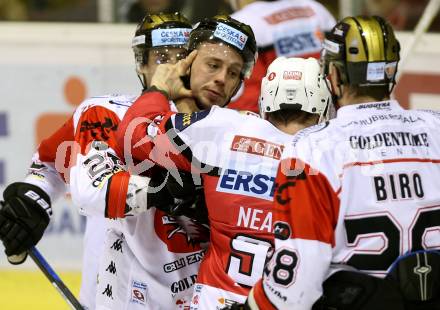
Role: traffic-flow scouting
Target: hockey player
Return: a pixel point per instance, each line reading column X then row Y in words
column 236, row 154
column 148, row 260
column 27, row 208
column 355, row 194
column 289, row 28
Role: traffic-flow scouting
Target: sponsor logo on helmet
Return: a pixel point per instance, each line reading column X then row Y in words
column 231, row 35
column 138, row 292
column 390, row 69
column 245, row 183
column 257, row 147
column 375, row 71
column 292, row 75
column 271, row 76
column 330, row 46
column 338, row 32
column 175, row 36
column 138, row 40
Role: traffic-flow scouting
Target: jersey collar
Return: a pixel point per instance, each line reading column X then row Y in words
column 379, row 106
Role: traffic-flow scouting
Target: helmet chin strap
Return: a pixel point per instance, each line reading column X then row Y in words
column 142, row 79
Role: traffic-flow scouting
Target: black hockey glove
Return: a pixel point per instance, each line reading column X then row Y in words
column 417, row 275
column 189, row 199
column 193, row 206
column 24, row 216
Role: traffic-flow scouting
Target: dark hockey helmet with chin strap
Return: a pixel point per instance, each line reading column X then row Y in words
column 159, row 31
column 225, row 29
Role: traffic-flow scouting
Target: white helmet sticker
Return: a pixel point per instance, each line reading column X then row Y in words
column 330, row 46
column 390, row 69
column 231, row 35
column 172, row 36
column 138, row 40
column 292, row 75
column 375, row 71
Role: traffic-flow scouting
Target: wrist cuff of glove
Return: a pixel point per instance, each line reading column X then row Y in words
column 137, row 193
column 30, row 193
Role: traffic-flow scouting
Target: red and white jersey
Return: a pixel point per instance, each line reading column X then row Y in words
column 290, row 28
column 95, row 119
column 237, row 156
column 100, row 186
column 358, row 191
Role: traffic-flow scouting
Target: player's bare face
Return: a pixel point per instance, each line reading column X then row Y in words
column 162, row 55
column 215, row 74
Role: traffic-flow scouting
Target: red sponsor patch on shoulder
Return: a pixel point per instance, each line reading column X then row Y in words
column 257, row 147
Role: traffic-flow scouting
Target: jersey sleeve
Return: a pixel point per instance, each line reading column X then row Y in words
column 146, row 136
column 326, row 19
column 305, row 214
column 48, row 169
column 99, row 182
column 101, row 186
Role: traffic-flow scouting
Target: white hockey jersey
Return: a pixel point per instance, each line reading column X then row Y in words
column 358, row 191
column 289, row 28
column 95, row 119
column 237, row 156
column 166, row 257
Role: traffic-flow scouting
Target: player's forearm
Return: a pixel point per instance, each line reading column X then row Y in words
column 150, row 107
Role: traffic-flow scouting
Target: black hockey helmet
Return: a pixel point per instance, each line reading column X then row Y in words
column 365, row 51
column 158, row 31
column 225, row 29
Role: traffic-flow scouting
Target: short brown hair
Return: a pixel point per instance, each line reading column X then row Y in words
column 287, row 116
column 379, row 93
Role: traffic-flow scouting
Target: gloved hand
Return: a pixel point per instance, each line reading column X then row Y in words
column 192, row 206
column 24, row 216
column 189, row 199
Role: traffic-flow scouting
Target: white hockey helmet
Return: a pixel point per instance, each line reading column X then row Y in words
column 295, row 84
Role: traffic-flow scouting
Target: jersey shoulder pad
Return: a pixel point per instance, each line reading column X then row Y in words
column 184, row 120
column 115, row 103
column 307, row 132
column 436, row 114
column 249, row 113
column 109, row 101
